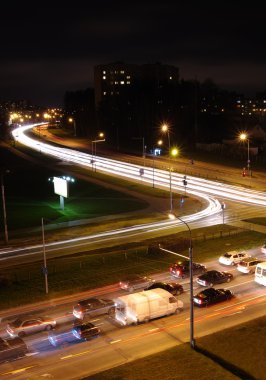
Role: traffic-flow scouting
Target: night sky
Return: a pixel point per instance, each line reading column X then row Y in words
column 47, row 48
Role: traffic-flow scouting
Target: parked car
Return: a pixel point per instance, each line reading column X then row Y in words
column 233, row 257
column 93, row 307
column 181, row 269
column 248, row 265
column 135, row 282
column 211, row 296
column 79, row 332
column 263, row 249
column 172, row 287
column 11, row 349
column 212, row 277
column 29, row 325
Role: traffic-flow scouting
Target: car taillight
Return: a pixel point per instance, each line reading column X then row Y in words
column 178, row 272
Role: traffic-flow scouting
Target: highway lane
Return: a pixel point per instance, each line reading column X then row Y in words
column 118, row 345
column 204, row 189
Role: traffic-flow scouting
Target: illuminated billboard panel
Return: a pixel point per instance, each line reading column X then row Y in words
column 61, row 186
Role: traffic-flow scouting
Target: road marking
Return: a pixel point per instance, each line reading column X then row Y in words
column 116, row 341
column 157, row 328
column 17, row 371
column 73, row 355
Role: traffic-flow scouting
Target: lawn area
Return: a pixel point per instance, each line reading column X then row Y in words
column 84, row 271
column 29, row 196
column 236, row 353
column 260, row 221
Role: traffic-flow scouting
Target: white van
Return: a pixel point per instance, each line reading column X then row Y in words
column 260, row 274
column 143, row 306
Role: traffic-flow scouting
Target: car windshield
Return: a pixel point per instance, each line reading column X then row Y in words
column 227, row 255
column 243, row 264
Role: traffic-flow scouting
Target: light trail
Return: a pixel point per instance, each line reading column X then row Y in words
column 200, row 188
column 195, row 186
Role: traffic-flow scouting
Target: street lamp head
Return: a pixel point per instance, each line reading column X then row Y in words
column 165, row 128
column 174, row 152
column 101, row 134
column 243, row 136
column 70, row 120
column 160, row 142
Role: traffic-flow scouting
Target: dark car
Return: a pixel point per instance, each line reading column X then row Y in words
column 135, row 282
column 211, row 296
column 181, row 269
column 29, row 325
column 11, row 349
column 79, row 332
column 212, row 277
column 93, row 307
column 172, row 287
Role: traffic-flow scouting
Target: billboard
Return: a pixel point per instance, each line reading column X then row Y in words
column 61, row 186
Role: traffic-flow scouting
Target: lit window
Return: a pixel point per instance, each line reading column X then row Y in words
column 116, row 82
column 128, row 82
column 122, row 72
column 104, row 93
column 122, row 82
column 128, row 76
column 171, row 78
column 104, row 72
column 104, row 77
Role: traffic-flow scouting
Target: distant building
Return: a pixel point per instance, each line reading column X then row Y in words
column 132, row 100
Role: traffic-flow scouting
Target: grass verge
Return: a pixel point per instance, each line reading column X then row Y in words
column 237, row 353
column 84, row 271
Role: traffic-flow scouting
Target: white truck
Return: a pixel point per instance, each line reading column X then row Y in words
column 143, row 306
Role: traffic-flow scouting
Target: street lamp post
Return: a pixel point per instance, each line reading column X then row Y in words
column 192, row 340
column 4, row 205
column 165, row 129
column 244, row 137
column 45, row 271
column 94, row 153
column 153, row 154
column 72, row 120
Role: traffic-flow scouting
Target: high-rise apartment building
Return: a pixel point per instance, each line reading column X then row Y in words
column 131, row 100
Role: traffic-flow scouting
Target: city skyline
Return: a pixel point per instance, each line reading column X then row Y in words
column 48, row 52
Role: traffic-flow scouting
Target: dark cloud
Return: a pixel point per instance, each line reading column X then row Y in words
column 48, row 50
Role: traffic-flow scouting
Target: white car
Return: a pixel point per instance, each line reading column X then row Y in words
column 232, row 258
column 263, row 249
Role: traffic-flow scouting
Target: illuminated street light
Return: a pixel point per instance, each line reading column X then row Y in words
column 244, row 137
column 165, row 129
column 101, row 139
column 172, row 216
column 72, row 120
column 160, row 142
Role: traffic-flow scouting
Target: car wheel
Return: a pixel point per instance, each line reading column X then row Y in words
column 21, row 334
column 228, row 280
column 211, row 285
column 48, row 328
column 146, row 319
